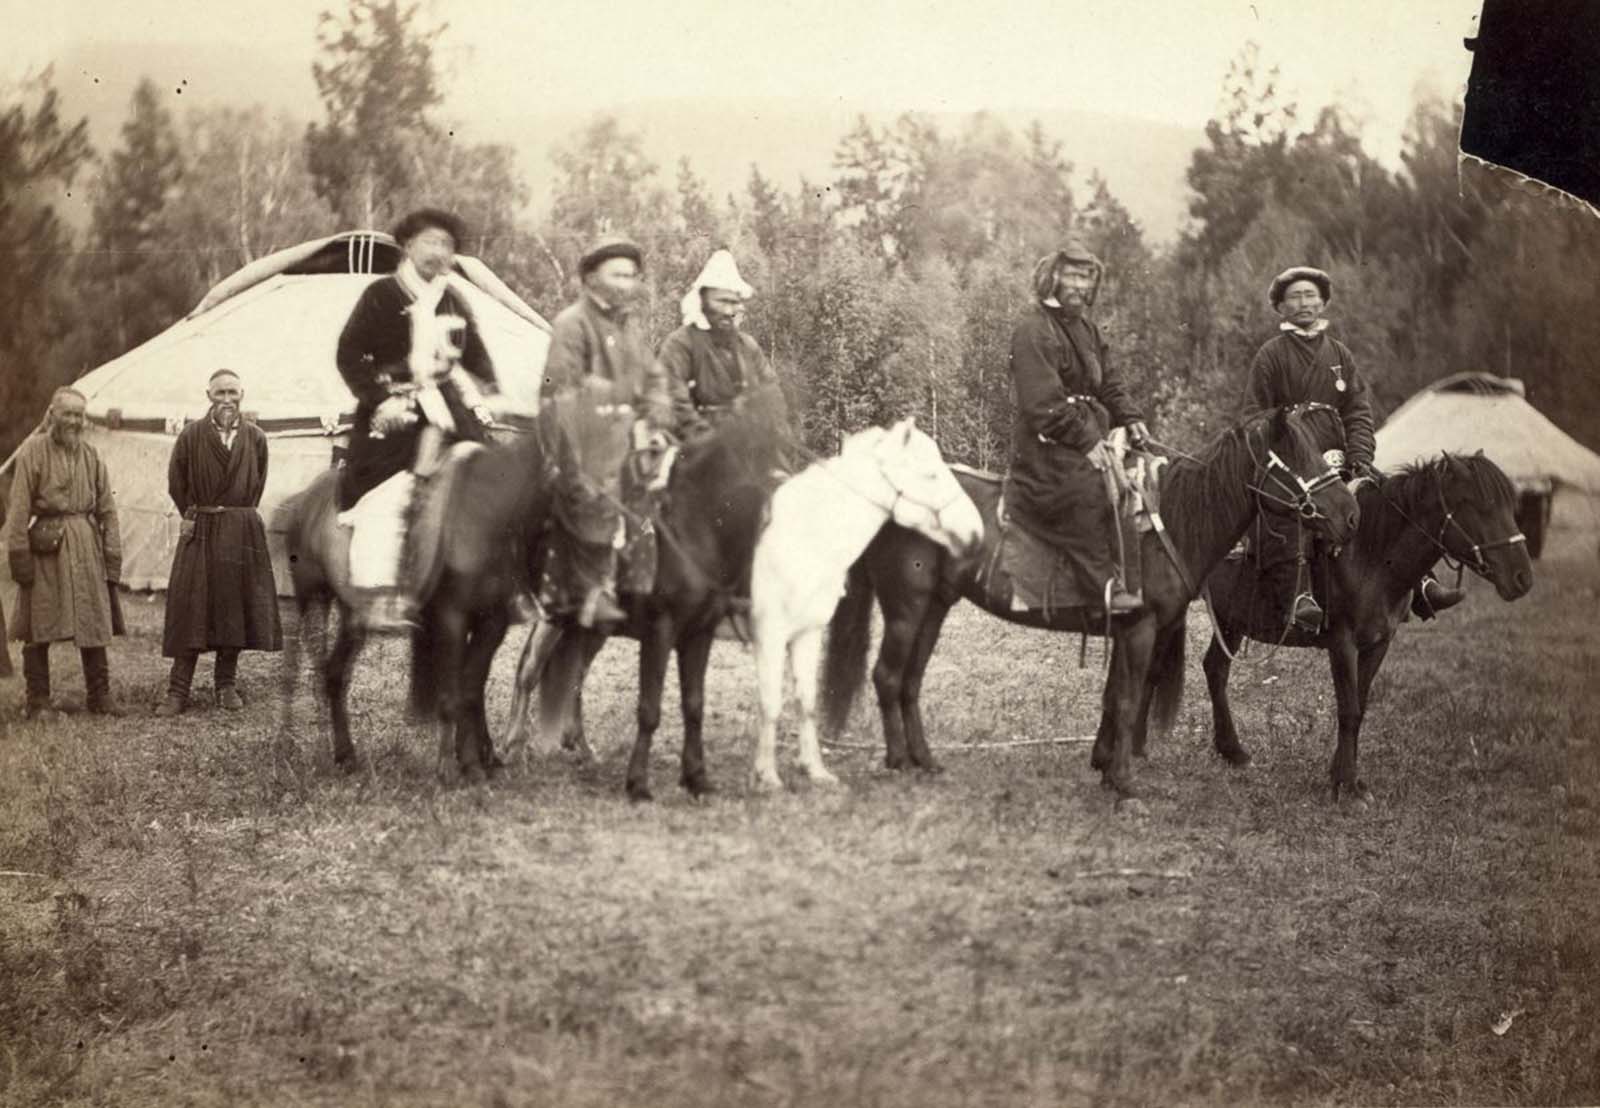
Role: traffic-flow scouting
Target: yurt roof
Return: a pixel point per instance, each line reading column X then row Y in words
column 1480, row 411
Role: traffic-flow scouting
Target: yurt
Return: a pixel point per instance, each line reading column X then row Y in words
column 1480, row 411
column 276, row 323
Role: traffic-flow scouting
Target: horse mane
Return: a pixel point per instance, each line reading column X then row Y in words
column 1207, row 483
column 1417, row 492
column 745, row 447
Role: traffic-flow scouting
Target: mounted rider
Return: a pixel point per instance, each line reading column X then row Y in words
column 412, row 355
column 709, row 363
column 1304, row 364
column 603, row 394
column 1068, row 398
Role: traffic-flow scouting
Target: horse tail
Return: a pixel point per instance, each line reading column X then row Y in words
column 844, row 663
column 1166, row 673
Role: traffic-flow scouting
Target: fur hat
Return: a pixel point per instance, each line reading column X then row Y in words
column 1049, row 267
column 1281, row 283
column 608, row 247
column 425, row 218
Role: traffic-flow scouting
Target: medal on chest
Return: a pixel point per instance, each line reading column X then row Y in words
column 1338, row 377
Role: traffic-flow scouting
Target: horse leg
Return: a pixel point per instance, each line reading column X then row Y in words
column 911, row 691
column 889, row 680
column 531, row 665
column 694, row 653
column 336, row 684
column 655, row 645
column 488, row 632
column 1130, row 663
column 572, row 734
column 772, row 649
column 1369, row 660
column 448, row 635
column 1343, row 661
column 804, row 653
column 1218, row 666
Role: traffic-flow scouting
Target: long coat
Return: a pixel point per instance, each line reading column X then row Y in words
column 221, row 592
column 70, row 597
column 1289, row 369
column 1068, row 396
column 707, row 375
column 595, row 343
column 373, row 354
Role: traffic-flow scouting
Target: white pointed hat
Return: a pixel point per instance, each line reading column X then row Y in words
column 720, row 272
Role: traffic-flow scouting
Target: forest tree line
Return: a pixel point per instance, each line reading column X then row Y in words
column 889, row 288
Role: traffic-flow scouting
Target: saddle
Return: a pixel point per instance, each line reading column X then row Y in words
column 1024, row 572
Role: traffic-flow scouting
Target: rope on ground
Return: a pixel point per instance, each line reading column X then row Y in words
column 1164, row 874
column 956, row 748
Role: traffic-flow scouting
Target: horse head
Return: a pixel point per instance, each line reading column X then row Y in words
column 1478, row 523
column 920, row 492
column 1296, row 476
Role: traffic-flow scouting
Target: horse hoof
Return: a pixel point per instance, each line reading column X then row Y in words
column 820, row 778
column 473, row 774
column 639, row 792
column 1099, row 762
column 1236, row 756
column 764, row 782
column 932, row 767
column 897, row 765
column 697, row 785
column 346, row 763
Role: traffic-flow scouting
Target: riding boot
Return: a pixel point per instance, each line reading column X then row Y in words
column 36, row 679
column 227, row 679
column 178, row 683
column 97, row 680
column 1432, row 596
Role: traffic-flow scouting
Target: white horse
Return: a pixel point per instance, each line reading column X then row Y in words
column 819, row 522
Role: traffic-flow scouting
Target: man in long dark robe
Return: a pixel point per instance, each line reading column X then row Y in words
column 412, row 356
column 64, row 548
column 709, row 363
column 599, row 379
column 220, row 594
column 1304, row 364
column 1069, row 396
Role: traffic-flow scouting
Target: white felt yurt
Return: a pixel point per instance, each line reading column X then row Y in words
column 276, row 323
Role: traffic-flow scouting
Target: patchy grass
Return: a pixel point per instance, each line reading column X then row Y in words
column 219, row 917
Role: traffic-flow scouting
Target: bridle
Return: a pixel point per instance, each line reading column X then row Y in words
column 1476, row 561
column 1292, row 492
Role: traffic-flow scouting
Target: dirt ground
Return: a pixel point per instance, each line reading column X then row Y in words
column 192, row 913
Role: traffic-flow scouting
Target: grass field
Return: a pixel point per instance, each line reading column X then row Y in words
column 195, row 912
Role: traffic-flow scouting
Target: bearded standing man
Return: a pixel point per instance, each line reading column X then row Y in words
column 220, row 595
column 65, row 553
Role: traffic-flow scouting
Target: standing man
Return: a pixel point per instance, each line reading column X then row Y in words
column 599, row 378
column 65, row 553
column 220, row 595
column 1069, row 396
column 709, row 363
column 1303, row 364
column 412, row 356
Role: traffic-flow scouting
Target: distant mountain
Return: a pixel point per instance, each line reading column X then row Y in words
column 1143, row 162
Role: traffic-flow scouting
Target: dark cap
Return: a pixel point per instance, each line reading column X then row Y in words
column 1281, row 283
column 424, row 219
column 608, row 247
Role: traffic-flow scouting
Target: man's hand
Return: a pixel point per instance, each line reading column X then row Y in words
column 22, row 568
column 1098, row 456
column 1138, row 434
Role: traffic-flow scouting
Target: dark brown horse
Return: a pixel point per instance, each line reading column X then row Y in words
column 706, row 533
column 1273, row 461
column 492, row 524
column 1461, row 508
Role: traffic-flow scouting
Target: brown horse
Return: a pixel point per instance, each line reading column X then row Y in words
column 499, row 502
column 1454, row 508
column 1274, row 461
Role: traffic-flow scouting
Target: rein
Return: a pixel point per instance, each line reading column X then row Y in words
column 1477, row 563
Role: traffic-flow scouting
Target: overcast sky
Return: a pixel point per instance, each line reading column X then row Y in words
column 1159, row 60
